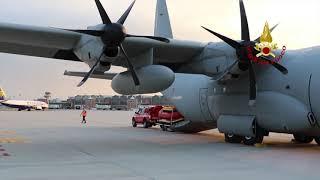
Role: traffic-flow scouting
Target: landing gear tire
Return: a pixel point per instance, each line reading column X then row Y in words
column 145, row 124
column 302, row 138
column 259, row 139
column 134, row 124
column 259, row 136
column 231, row 138
column 317, row 139
column 163, row 127
column 249, row 141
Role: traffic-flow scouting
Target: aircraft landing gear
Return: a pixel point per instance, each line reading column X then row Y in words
column 250, row 141
column 258, row 139
column 231, row 138
column 302, row 138
column 247, row 140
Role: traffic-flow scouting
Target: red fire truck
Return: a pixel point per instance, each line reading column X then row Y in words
column 165, row 116
column 148, row 117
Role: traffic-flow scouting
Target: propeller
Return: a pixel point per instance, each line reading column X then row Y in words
column 244, row 49
column 112, row 36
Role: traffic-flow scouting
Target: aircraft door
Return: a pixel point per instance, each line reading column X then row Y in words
column 204, row 105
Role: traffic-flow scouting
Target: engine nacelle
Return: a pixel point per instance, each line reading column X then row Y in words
column 153, row 79
column 112, row 51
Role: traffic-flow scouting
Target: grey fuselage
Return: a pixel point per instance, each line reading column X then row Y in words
column 285, row 103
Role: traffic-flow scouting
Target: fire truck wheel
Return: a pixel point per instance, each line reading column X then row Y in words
column 134, row 124
column 163, row 127
column 145, row 123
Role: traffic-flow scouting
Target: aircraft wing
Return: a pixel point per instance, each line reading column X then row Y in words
column 177, row 51
column 59, row 44
column 38, row 41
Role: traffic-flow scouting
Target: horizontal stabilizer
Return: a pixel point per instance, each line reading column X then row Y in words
column 108, row 76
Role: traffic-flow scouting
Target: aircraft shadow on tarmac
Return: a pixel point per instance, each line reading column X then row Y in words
column 217, row 138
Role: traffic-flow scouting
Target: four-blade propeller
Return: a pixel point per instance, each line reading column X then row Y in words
column 244, row 50
column 113, row 35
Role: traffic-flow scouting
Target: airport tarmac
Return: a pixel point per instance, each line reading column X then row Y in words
column 55, row 145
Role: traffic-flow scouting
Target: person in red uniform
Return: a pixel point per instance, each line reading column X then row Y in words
column 84, row 115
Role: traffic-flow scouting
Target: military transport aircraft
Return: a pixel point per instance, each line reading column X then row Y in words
column 209, row 83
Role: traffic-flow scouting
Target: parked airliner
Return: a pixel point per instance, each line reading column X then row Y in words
column 21, row 104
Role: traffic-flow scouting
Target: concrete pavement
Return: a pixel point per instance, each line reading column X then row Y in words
column 55, row 145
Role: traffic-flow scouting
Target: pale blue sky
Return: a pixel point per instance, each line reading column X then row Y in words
column 30, row 77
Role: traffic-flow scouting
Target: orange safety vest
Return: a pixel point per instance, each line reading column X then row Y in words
column 84, row 113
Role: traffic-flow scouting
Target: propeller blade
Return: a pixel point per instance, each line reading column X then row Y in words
column 276, row 65
column 89, row 32
column 227, row 40
column 103, row 14
column 253, row 85
column 245, row 33
column 274, row 27
column 151, row 37
column 125, row 15
column 87, row 76
column 131, row 68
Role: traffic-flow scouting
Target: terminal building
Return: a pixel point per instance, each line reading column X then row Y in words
column 107, row 102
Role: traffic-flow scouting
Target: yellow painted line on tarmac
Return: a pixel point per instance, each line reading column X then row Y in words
column 14, row 140
column 8, row 132
column 10, row 136
column 260, row 145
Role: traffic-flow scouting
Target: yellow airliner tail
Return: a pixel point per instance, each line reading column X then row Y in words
column 2, row 94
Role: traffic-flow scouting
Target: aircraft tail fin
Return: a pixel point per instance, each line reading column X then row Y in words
column 162, row 22
column 2, row 94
